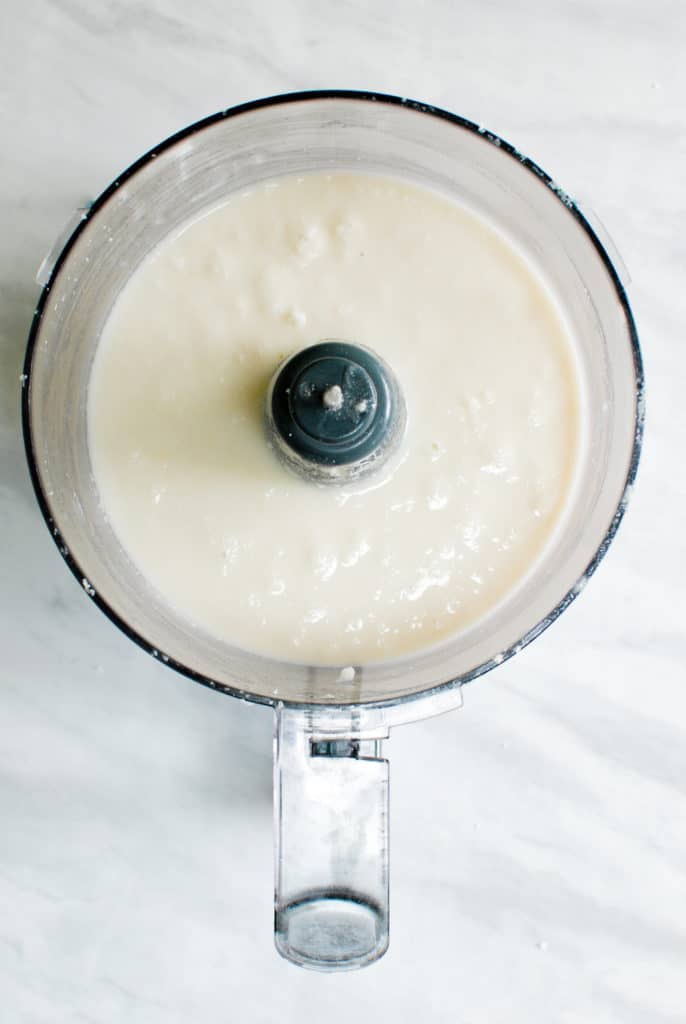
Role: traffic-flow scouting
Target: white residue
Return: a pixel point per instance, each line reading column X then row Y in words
column 333, row 398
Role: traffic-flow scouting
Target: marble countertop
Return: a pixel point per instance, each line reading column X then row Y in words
column 539, row 834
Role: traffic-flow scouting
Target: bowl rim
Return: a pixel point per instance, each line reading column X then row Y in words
column 285, row 99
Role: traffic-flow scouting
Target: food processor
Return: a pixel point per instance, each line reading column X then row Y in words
column 330, row 776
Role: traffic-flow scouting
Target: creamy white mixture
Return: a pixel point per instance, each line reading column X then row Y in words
column 275, row 564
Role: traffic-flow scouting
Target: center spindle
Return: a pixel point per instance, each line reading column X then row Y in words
column 335, row 411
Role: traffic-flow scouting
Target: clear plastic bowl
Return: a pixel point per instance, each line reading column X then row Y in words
column 318, row 706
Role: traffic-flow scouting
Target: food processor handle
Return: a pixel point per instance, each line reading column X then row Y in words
column 331, row 840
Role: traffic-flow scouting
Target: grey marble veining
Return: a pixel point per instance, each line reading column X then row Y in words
column 539, row 834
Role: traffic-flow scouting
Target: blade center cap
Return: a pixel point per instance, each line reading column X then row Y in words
column 334, row 400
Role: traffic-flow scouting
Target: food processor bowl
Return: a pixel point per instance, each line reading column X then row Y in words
column 331, row 781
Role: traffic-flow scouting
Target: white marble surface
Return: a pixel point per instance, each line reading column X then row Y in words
column 539, row 835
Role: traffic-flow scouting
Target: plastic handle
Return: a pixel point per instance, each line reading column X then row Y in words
column 331, row 841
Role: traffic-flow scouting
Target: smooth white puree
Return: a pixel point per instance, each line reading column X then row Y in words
column 322, row 573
